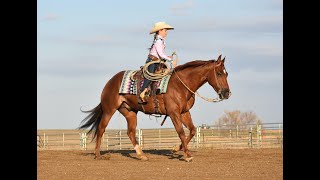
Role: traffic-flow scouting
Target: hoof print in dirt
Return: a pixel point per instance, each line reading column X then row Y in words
column 144, row 158
column 105, row 157
column 189, row 159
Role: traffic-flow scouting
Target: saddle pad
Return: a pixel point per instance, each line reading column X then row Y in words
column 129, row 86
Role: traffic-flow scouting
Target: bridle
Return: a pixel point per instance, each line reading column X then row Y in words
column 215, row 77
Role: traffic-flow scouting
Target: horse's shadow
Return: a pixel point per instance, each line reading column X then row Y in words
column 132, row 153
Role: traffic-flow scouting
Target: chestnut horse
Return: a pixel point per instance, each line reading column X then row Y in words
column 179, row 98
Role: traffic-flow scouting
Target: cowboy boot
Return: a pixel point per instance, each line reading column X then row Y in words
column 142, row 96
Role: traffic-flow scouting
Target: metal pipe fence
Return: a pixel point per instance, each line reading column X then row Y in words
column 267, row 135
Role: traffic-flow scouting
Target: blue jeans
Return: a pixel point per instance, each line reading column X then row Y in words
column 151, row 68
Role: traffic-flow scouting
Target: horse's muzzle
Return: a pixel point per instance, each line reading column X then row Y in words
column 224, row 94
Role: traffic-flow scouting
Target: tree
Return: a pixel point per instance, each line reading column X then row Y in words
column 236, row 117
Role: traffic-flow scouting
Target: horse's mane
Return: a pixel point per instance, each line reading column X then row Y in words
column 194, row 63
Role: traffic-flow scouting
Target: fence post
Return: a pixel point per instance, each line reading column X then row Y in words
column 39, row 141
column 85, row 141
column 280, row 136
column 62, row 139
column 198, row 136
column 47, row 141
column 120, row 139
column 107, row 142
column 139, row 137
column 159, row 138
column 142, row 139
column 103, row 139
column 44, row 140
column 259, row 135
column 237, row 134
column 279, row 131
column 250, row 138
column 230, row 133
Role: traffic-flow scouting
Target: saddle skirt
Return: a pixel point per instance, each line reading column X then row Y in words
column 132, row 82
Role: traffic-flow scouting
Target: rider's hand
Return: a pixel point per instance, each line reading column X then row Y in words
column 174, row 63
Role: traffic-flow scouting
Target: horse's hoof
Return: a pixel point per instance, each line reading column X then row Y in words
column 144, row 158
column 97, row 157
column 175, row 148
column 188, row 159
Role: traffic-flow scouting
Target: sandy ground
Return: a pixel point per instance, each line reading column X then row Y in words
column 162, row 164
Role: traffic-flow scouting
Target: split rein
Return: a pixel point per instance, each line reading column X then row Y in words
column 196, row 93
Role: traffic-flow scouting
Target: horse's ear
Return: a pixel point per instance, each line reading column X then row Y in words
column 219, row 58
column 223, row 59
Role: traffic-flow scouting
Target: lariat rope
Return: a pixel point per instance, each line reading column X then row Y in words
column 159, row 76
column 155, row 76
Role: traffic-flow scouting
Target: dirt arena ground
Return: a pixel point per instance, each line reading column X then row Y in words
column 207, row 164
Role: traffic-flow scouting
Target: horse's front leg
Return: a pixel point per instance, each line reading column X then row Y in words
column 187, row 122
column 176, row 119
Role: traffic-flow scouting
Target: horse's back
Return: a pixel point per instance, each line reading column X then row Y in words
column 110, row 92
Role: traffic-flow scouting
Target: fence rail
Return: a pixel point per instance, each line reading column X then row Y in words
column 268, row 135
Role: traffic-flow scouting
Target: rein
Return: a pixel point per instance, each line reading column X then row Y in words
column 196, row 93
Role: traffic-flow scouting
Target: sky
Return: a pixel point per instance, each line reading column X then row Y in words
column 81, row 44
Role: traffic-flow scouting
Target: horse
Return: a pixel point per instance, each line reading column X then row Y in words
column 176, row 103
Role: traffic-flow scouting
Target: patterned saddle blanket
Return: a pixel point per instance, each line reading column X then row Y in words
column 131, row 86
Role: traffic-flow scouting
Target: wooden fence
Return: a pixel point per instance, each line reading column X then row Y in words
column 268, row 135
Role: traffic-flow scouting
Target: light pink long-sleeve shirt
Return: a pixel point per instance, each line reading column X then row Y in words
column 159, row 46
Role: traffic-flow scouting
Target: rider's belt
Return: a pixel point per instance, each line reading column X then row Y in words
column 153, row 57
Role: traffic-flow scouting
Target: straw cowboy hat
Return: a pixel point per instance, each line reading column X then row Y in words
column 160, row 25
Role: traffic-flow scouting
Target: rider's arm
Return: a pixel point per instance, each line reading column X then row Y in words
column 159, row 46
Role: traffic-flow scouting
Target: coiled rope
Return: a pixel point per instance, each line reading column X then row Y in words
column 158, row 76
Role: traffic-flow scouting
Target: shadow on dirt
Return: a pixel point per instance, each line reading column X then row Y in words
column 167, row 153
column 132, row 153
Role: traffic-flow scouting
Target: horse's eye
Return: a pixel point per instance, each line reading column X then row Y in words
column 219, row 74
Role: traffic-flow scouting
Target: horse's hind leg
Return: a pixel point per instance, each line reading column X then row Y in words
column 187, row 122
column 131, row 118
column 106, row 116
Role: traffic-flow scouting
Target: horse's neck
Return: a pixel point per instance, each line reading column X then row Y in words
column 194, row 78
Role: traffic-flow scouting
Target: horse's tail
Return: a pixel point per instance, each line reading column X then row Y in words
column 93, row 120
